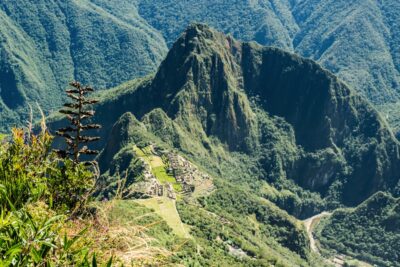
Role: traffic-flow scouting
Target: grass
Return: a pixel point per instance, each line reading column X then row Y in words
column 163, row 177
column 156, row 162
column 158, row 167
column 133, row 234
column 166, row 209
column 163, row 206
column 139, row 152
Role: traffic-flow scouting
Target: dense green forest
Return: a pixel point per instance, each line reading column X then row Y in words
column 369, row 232
column 357, row 40
column 51, row 40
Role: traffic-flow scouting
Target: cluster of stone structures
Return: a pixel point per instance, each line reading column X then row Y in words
column 153, row 186
column 185, row 172
column 157, row 189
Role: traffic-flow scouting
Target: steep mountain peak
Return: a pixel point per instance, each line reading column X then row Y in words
column 198, row 31
column 292, row 117
column 199, row 80
column 199, row 36
column 220, row 76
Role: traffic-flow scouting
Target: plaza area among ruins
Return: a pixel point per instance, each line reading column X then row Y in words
column 169, row 174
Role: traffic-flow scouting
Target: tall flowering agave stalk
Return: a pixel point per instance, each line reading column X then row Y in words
column 78, row 113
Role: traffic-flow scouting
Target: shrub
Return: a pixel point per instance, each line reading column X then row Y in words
column 30, row 172
column 38, row 191
column 32, row 236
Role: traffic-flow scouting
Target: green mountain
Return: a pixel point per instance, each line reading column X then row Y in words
column 292, row 117
column 356, row 40
column 45, row 44
column 274, row 130
column 121, row 40
column 369, row 232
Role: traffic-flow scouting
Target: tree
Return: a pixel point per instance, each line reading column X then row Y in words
column 77, row 113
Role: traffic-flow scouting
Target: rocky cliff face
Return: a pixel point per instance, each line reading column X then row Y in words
column 294, row 118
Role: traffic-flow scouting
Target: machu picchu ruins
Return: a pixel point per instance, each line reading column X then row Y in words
column 184, row 176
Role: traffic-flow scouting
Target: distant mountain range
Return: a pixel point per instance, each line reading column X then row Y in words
column 47, row 43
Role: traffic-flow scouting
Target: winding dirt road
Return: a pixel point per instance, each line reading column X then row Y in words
column 309, row 224
column 337, row 260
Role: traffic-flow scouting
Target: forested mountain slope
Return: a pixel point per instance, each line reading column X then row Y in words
column 295, row 120
column 275, row 130
column 47, row 43
column 357, row 40
column 369, row 232
column 121, row 40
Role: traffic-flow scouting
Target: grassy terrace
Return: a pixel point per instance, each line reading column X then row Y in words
column 158, row 167
column 166, row 209
column 162, row 206
column 164, row 178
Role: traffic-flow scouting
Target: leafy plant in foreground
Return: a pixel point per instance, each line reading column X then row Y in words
column 77, row 113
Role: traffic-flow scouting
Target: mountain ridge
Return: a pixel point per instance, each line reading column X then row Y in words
column 325, row 129
column 369, row 231
column 367, row 60
column 356, row 40
column 299, row 142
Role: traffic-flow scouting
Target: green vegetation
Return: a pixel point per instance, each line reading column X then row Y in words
column 36, row 192
column 369, row 232
column 346, row 38
column 281, row 136
column 27, row 164
column 46, row 44
column 47, row 218
column 232, row 217
column 164, row 177
column 276, row 131
column 103, row 43
column 285, row 128
column 356, row 263
column 158, row 167
column 166, row 209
